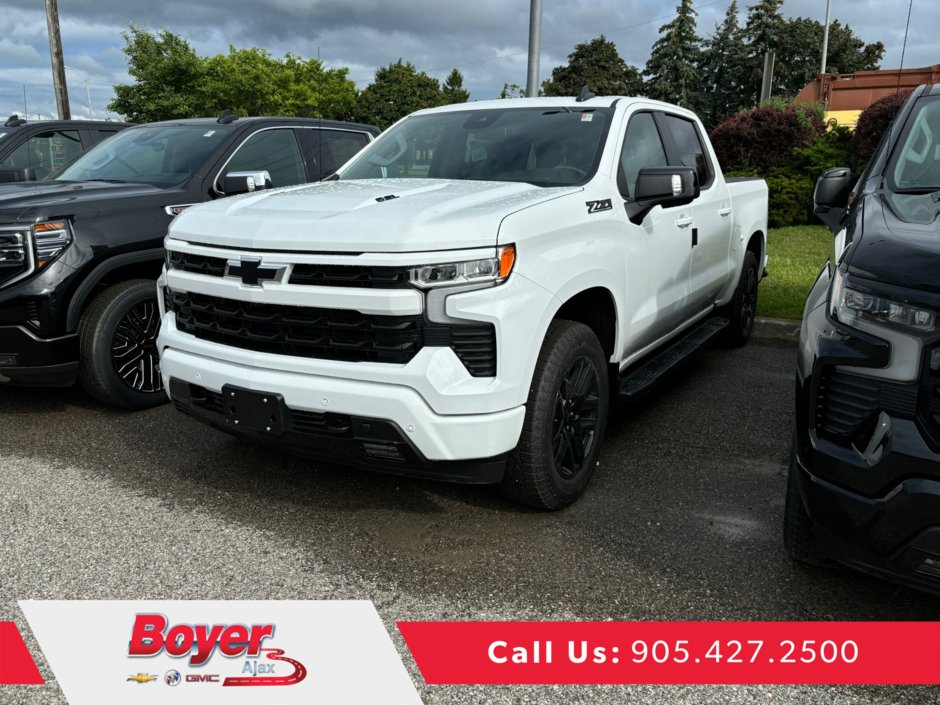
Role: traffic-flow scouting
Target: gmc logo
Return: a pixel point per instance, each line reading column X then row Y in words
column 201, row 678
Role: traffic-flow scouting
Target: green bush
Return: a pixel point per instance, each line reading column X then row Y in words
column 791, row 198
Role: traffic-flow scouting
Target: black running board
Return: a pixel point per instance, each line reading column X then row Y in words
column 634, row 382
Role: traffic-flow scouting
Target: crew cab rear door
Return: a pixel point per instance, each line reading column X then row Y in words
column 709, row 233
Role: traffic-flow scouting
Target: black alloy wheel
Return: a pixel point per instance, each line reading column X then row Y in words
column 134, row 348
column 574, row 426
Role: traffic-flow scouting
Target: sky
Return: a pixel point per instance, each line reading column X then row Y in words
column 485, row 39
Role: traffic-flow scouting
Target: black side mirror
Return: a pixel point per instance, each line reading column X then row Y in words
column 236, row 182
column 665, row 186
column 831, row 197
column 8, row 176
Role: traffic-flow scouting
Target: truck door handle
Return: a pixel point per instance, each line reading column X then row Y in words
column 724, row 211
column 684, row 221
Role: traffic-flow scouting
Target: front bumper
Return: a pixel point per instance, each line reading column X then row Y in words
column 869, row 475
column 27, row 359
column 433, row 436
column 894, row 536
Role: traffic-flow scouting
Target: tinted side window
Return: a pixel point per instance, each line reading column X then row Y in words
column 105, row 134
column 337, row 147
column 691, row 152
column 45, row 152
column 642, row 146
column 275, row 151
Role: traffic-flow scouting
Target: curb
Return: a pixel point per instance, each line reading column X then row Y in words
column 777, row 329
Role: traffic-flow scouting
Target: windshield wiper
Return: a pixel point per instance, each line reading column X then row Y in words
column 920, row 191
column 109, row 181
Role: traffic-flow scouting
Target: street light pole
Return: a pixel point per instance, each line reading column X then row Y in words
column 825, row 40
column 91, row 110
column 535, row 48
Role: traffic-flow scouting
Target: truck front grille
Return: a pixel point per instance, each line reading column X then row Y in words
column 14, row 259
column 357, row 276
column 330, row 334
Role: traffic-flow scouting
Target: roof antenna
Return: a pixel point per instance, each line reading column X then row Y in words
column 226, row 117
column 14, row 121
column 585, row 94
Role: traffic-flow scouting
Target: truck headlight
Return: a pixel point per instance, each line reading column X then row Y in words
column 50, row 238
column 850, row 304
column 478, row 271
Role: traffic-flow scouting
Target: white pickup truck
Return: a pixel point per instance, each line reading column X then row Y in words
column 466, row 297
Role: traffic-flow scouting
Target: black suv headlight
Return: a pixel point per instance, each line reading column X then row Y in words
column 850, row 304
column 50, row 238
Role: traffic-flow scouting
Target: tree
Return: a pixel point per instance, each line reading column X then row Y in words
column 762, row 33
column 170, row 78
column 252, row 82
column 672, row 68
column 800, row 47
column 398, row 89
column 172, row 82
column 513, row 90
column 453, row 91
column 720, row 69
column 872, row 125
column 597, row 65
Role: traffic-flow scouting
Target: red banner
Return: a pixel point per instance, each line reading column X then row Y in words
column 16, row 665
column 729, row 653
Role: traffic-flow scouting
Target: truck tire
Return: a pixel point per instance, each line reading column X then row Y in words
column 566, row 414
column 742, row 308
column 799, row 536
column 118, row 363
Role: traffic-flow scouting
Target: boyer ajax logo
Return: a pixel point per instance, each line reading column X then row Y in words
column 259, row 663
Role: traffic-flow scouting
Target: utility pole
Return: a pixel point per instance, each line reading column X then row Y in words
column 58, row 67
column 825, row 40
column 767, row 83
column 535, row 48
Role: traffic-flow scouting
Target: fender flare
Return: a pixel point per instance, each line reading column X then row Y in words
column 88, row 285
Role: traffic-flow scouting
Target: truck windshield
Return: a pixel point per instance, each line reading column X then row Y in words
column 545, row 146
column 161, row 156
column 916, row 163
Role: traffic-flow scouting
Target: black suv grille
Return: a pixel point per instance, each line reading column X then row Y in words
column 928, row 411
column 331, row 334
column 847, row 405
column 13, row 258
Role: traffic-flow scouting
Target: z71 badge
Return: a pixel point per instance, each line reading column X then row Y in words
column 598, row 206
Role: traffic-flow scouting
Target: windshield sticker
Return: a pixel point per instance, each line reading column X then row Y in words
column 587, row 117
column 209, row 133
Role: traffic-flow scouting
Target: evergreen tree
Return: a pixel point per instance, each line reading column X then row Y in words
column 720, row 69
column 453, row 91
column 762, row 33
column 597, row 65
column 398, row 89
column 672, row 68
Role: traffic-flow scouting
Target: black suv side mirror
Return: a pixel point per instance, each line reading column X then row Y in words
column 236, row 182
column 831, row 197
column 665, row 186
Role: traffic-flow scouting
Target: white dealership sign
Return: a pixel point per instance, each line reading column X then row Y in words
column 220, row 652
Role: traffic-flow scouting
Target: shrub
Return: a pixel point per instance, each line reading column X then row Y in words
column 873, row 123
column 791, row 198
column 830, row 149
column 763, row 138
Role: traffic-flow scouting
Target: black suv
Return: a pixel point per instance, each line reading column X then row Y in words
column 32, row 150
column 864, row 479
column 80, row 252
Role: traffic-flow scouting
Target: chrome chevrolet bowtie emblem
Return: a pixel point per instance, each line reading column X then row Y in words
column 252, row 272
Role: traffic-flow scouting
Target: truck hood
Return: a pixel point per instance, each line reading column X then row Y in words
column 64, row 197
column 896, row 232
column 387, row 215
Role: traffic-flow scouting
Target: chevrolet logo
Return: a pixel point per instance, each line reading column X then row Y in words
column 252, row 272
column 142, row 678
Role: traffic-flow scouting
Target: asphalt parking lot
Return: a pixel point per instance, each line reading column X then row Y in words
column 681, row 522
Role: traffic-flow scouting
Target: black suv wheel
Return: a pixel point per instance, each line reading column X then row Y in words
column 118, row 361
